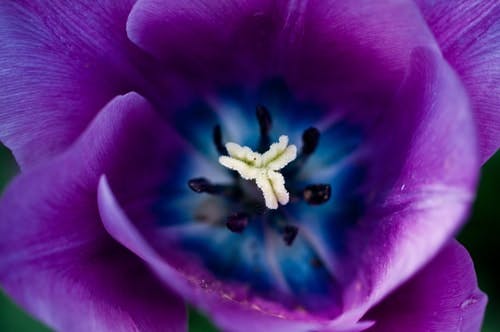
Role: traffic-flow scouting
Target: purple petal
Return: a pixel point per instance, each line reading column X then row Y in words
column 57, row 261
column 422, row 183
column 443, row 296
column 323, row 47
column 468, row 32
column 218, row 300
column 60, row 63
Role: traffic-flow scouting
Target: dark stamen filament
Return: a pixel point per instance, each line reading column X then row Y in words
column 237, row 222
column 310, row 140
column 289, row 234
column 202, row 185
column 265, row 123
column 217, row 138
column 317, row 194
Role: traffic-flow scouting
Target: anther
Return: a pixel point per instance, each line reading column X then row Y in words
column 317, row 194
column 289, row 234
column 217, row 138
column 202, row 185
column 265, row 123
column 310, row 140
column 237, row 222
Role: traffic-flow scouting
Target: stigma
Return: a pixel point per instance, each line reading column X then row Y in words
column 263, row 168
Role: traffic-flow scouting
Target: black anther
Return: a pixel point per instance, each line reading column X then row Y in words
column 202, row 185
column 265, row 123
column 289, row 234
column 237, row 222
column 217, row 138
column 317, row 194
column 310, row 140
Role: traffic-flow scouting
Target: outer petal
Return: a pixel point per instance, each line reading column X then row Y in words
column 443, row 296
column 57, row 260
column 468, row 32
column 420, row 187
column 60, row 62
column 322, row 47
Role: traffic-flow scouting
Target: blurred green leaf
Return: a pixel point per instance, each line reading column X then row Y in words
column 199, row 323
column 8, row 167
column 12, row 319
column 481, row 237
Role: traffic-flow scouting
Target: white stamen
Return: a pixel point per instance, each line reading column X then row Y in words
column 263, row 168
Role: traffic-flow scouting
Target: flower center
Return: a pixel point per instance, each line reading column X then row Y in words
column 285, row 247
column 259, row 177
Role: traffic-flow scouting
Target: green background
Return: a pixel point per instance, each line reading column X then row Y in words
column 481, row 236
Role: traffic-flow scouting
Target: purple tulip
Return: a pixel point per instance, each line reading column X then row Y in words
column 131, row 202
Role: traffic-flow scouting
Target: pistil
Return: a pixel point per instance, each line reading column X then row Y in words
column 263, row 168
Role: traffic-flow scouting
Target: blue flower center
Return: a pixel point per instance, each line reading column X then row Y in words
column 288, row 254
column 243, row 195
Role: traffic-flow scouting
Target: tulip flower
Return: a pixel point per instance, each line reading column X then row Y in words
column 279, row 165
